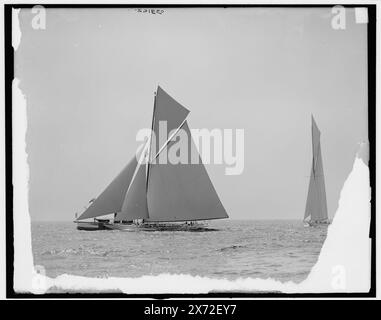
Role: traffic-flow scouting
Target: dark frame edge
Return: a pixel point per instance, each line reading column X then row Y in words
column 9, row 75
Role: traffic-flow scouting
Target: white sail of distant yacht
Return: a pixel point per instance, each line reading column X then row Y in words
column 160, row 192
column 316, row 206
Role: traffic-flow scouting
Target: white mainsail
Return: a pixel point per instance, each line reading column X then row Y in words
column 316, row 206
column 181, row 192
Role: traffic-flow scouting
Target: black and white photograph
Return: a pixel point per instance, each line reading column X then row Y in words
column 197, row 150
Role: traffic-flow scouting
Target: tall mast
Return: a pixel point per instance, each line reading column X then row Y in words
column 150, row 143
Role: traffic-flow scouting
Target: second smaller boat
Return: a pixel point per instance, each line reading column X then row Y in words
column 316, row 206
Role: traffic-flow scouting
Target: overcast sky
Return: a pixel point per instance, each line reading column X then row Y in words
column 89, row 80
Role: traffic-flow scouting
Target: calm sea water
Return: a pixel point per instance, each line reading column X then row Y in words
column 283, row 250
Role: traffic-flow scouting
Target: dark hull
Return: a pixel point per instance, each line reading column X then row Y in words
column 120, row 226
column 95, row 226
column 90, row 226
column 173, row 227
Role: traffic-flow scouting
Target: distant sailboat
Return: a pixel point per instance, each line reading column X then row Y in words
column 316, row 206
column 154, row 195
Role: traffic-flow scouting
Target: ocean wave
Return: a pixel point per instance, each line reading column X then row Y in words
column 233, row 247
column 81, row 251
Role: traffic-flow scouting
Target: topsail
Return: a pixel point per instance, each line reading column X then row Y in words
column 316, row 206
column 167, row 112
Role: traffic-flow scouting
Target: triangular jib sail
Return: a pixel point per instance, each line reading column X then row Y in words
column 112, row 198
column 135, row 202
column 316, row 206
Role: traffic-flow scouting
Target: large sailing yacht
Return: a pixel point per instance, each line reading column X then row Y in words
column 151, row 195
